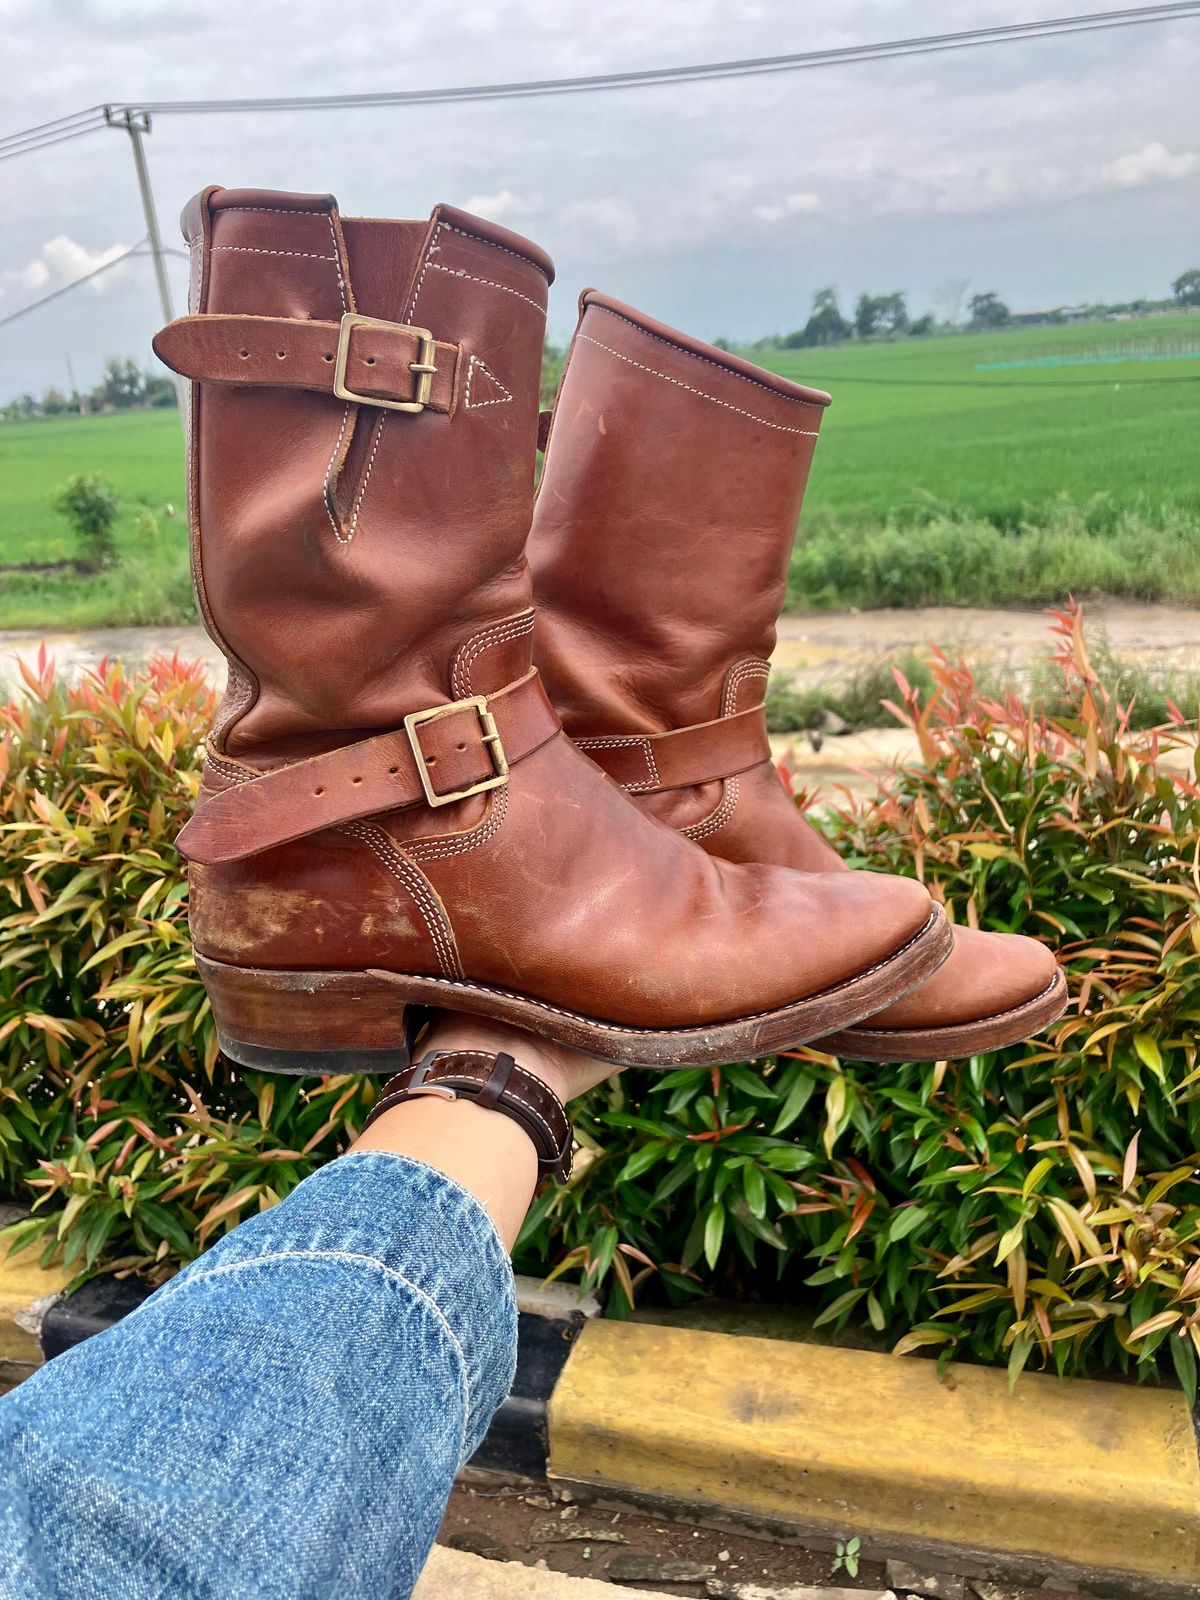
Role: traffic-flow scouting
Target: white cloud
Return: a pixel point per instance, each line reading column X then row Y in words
column 1153, row 163
column 790, row 206
column 61, row 261
column 498, row 206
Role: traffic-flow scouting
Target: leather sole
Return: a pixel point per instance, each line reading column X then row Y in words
column 953, row 1043
column 355, row 1021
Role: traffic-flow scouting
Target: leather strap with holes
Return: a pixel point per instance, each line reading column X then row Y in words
column 372, row 776
column 497, row 1083
column 645, row 763
column 294, row 353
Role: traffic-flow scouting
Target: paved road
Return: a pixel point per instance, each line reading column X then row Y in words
column 816, row 646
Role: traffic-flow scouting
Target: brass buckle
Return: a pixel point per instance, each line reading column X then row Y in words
column 491, row 738
column 424, row 368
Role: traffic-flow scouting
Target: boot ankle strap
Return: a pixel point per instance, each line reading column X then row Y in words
column 645, row 763
column 441, row 755
column 387, row 364
column 497, row 1083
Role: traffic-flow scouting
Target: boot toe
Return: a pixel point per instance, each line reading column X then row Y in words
column 987, row 975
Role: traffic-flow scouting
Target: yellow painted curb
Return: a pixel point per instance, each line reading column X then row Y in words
column 1100, row 1476
column 26, row 1291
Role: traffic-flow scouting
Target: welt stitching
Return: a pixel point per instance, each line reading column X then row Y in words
column 479, row 405
column 488, row 283
column 496, row 633
column 755, row 383
column 435, row 850
column 619, row 1027
column 259, row 250
column 777, row 427
column 381, row 846
column 996, row 1016
column 647, row 749
column 477, row 238
column 718, row 818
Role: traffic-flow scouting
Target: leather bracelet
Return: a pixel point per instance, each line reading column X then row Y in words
column 497, row 1083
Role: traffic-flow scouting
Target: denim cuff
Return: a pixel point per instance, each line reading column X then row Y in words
column 415, row 1221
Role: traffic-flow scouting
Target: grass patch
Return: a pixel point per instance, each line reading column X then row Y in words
column 141, row 453
column 952, row 558
column 940, row 479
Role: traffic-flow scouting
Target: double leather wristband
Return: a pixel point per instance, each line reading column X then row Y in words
column 496, row 1083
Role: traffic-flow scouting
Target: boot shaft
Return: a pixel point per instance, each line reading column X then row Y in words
column 663, row 525
column 344, row 551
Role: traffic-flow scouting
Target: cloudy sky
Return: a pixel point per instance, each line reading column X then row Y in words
column 1051, row 171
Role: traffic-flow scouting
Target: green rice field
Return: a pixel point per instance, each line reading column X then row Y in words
column 999, row 468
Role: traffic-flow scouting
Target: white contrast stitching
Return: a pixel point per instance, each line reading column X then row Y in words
column 477, row 238
column 337, row 258
column 755, row 383
column 715, row 819
column 619, row 1027
column 777, row 427
column 333, row 522
column 429, row 255
column 459, row 844
column 479, row 404
column 235, row 774
column 258, row 250
column 952, row 1027
column 366, row 478
column 497, row 633
column 612, row 742
column 401, row 868
column 278, row 211
column 488, row 283
column 740, row 674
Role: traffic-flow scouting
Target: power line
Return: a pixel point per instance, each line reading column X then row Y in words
column 801, row 61
column 9, row 152
column 1010, row 33
column 56, row 294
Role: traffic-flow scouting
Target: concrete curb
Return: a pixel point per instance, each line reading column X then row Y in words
column 1094, row 1483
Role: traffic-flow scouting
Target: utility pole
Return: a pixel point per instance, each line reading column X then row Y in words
column 136, row 124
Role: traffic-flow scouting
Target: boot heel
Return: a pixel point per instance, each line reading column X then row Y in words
column 354, row 1021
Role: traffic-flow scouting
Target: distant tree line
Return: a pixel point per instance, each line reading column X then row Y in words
column 886, row 316
column 124, row 387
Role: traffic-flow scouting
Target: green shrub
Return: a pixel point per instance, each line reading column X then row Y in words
column 1016, row 556
column 90, row 504
column 1041, row 1203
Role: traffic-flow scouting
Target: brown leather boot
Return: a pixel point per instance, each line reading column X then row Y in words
column 390, row 816
column 661, row 535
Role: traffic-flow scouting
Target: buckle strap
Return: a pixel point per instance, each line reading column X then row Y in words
column 387, row 364
column 497, row 1083
column 645, row 763
column 461, row 748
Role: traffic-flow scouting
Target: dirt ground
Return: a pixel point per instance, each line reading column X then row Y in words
column 813, row 647
column 545, row 1527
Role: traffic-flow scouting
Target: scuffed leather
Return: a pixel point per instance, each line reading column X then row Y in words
column 662, row 531
column 358, row 565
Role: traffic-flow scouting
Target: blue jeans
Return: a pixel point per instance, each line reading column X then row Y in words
column 284, row 1418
